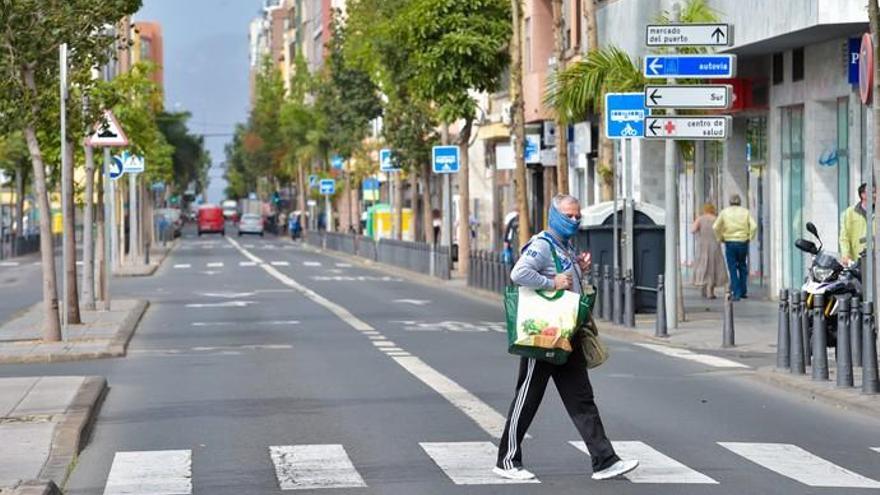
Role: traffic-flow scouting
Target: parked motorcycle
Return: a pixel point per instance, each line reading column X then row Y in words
column 828, row 276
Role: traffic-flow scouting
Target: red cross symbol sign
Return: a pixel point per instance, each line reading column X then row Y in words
column 669, row 127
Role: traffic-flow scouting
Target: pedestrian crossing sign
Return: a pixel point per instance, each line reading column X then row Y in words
column 107, row 133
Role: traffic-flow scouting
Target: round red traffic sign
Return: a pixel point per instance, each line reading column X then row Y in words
column 866, row 68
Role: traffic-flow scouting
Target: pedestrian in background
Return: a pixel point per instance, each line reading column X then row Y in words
column 735, row 227
column 854, row 228
column 536, row 269
column 709, row 270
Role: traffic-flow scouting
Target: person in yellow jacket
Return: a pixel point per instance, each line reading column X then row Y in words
column 735, row 227
column 854, row 228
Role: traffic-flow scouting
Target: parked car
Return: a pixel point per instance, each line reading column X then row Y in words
column 250, row 224
column 211, row 220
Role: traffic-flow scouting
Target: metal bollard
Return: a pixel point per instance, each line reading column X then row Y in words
column 728, row 337
column 660, row 323
column 844, row 347
column 594, row 280
column 783, row 336
column 629, row 312
column 820, row 349
column 798, row 362
column 606, row 290
column 806, row 323
column 618, row 297
column 855, row 329
column 870, row 384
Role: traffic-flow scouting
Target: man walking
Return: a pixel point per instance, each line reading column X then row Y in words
column 854, row 228
column 735, row 227
column 536, row 269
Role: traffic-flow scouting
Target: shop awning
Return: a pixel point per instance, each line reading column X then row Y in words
column 494, row 132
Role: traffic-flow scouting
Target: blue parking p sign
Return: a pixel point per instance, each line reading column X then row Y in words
column 625, row 115
column 446, row 159
column 328, row 187
column 387, row 163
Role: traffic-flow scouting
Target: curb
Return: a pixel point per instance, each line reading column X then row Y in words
column 71, row 435
column 117, row 348
column 825, row 391
column 152, row 268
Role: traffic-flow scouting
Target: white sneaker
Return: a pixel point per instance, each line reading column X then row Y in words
column 514, row 473
column 619, row 468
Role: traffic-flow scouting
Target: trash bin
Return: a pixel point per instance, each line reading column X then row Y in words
column 597, row 236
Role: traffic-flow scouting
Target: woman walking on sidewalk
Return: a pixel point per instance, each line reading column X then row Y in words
column 709, row 269
column 536, row 269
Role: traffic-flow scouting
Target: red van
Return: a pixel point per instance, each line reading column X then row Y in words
column 211, row 220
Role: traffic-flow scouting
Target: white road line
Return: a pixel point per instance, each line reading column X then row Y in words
column 876, row 449
column 384, row 343
column 654, row 467
column 280, row 263
column 246, row 263
column 799, row 465
column 481, row 413
column 156, row 472
column 398, row 353
column 307, row 467
column 311, row 263
column 708, row 360
column 182, row 265
column 468, row 463
column 9, row 263
column 215, row 265
column 343, row 265
column 225, row 304
column 371, row 332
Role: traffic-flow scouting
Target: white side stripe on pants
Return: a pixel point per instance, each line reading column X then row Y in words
column 157, row 472
column 799, row 465
column 306, row 467
column 468, row 463
column 514, row 417
column 654, row 467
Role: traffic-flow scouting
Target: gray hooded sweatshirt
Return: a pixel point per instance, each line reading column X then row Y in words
column 535, row 268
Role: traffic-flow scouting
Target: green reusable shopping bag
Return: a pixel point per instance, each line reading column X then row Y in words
column 540, row 323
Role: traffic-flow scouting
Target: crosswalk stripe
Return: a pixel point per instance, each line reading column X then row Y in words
column 280, row 263
column 709, row 360
column 654, row 467
column 468, row 463
column 9, row 263
column 156, row 472
column 311, row 263
column 384, row 343
column 343, row 265
column 215, row 265
column 182, row 265
column 798, row 464
column 306, row 467
column 246, row 263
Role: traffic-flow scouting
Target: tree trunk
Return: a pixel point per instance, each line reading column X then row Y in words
column 301, row 197
column 427, row 211
column 397, row 206
column 519, row 120
column 100, row 243
column 561, row 125
column 464, row 200
column 19, row 206
column 68, row 222
column 592, row 31
column 88, row 282
column 414, row 204
column 51, row 322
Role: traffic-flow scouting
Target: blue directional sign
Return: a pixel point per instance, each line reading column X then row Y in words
column 700, row 66
column 446, row 159
column 337, row 162
column 625, row 115
column 328, row 186
column 116, row 167
column 387, row 163
column 313, row 181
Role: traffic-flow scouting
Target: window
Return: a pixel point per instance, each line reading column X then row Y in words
column 797, row 64
column 778, row 68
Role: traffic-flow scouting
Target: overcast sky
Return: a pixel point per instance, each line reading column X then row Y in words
column 206, row 67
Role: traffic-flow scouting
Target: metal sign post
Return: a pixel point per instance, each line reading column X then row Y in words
column 65, row 242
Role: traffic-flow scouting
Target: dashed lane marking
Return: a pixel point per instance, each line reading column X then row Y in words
column 180, row 266
column 9, row 263
column 311, row 263
column 246, row 263
column 280, row 263
column 343, row 265
column 215, row 265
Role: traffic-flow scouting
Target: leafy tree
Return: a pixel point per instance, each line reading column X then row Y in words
column 190, row 160
column 455, row 48
column 30, row 34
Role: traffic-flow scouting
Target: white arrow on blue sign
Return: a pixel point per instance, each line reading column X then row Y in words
column 700, row 66
column 328, row 186
column 313, row 181
column 386, row 161
column 337, row 162
column 446, row 159
column 115, row 167
column 625, row 115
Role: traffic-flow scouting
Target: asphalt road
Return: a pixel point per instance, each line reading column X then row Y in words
column 258, row 355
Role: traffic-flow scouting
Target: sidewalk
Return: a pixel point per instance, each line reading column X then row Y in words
column 158, row 254
column 44, row 422
column 102, row 334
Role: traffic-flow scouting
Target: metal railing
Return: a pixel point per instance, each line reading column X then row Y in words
column 335, row 241
column 487, row 270
column 10, row 246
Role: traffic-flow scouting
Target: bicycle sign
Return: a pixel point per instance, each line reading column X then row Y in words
column 624, row 115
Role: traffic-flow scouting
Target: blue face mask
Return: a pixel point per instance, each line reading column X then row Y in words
column 561, row 224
